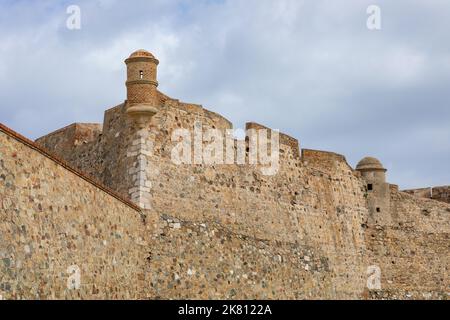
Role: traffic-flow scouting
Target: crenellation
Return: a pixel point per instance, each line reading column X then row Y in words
column 323, row 161
column 437, row 193
column 309, row 230
column 71, row 136
column 285, row 140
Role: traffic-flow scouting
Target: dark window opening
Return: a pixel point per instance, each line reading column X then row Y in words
column 378, row 210
column 370, row 187
column 141, row 74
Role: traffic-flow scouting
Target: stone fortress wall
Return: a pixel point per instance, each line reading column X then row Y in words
column 229, row 231
column 56, row 223
column 436, row 193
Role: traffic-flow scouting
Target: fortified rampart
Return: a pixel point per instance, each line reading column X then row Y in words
column 311, row 230
column 56, row 224
column 436, row 193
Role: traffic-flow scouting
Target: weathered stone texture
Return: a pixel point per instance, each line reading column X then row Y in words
column 412, row 250
column 51, row 219
column 301, row 206
column 78, row 144
column 436, row 193
column 212, row 231
column 208, row 261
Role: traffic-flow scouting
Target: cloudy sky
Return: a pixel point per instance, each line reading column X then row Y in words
column 310, row 68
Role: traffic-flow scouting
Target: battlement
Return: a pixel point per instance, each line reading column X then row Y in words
column 219, row 121
column 393, row 188
column 72, row 135
column 285, row 139
column 441, row 193
column 308, row 229
column 322, row 160
column 62, row 162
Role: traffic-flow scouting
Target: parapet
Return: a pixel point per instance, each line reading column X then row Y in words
column 322, row 160
column 59, row 161
column 71, row 135
column 220, row 121
column 393, row 187
column 441, row 193
column 284, row 138
column 421, row 192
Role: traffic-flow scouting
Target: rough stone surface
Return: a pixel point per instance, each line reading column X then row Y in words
column 436, row 193
column 51, row 219
column 210, row 231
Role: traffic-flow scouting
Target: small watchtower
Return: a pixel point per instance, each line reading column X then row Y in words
column 141, row 85
column 378, row 191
